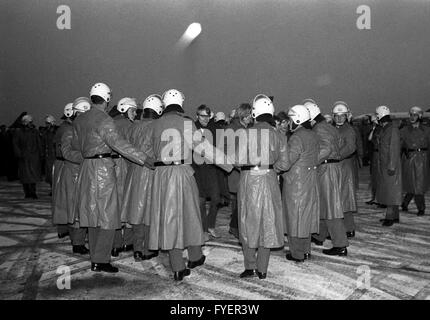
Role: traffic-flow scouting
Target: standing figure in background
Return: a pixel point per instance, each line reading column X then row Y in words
column 373, row 139
column 127, row 108
column 331, row 222
column 300, row 192
column 389, row 186
column 261, row 225
column 136, row 209
column 242, row 119
column 415, row 142
column 48, row 147
column 28, row 150
column 348, row 151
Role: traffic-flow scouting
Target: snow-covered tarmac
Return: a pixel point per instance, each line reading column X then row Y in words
column 382, row 263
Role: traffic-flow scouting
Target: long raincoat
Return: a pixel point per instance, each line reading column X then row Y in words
column 374, row 170
column 348, row 150
column 175, row 214
column 415, row 164
column 64, row 177
column 389, row 188
column 49, row 151
column 27, row 147
column 300, row 191
column 329, row 174
column 261, row 221
column 136, row 207
column 94, row 133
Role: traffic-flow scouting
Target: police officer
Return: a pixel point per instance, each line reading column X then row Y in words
column 97, row 204
column 329, row 177
column 127, row 108
column 348, row 150
column 69, row 162
column 415, row 140
column 389, row 186
column 300, row 191
column 136, row 209
column 175, row 222
column 48, row 147
column 261, row 225
column 374, row 161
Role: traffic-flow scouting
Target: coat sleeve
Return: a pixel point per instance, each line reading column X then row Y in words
column 358, row 142
column 394, row 153
column 283, row 160
column 210, row 153
column 295, row 148
column 69, row 153
column 112, row 138
column 349, row 144
column 325, row 148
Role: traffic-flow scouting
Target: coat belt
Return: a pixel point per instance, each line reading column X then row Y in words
column 173, row 163
column 270, row 166
column 330, row 161
column 417, row 150
column 99, row 156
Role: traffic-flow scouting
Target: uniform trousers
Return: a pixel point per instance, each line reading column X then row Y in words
column 336, row 229
column 419, row 201
column 77, row 235
column 392, row 212
column 299, row 246
column 177, row 261
column 100, row 243
column 141, row 238
column 234, row 223
column 349, row 221
column 256, row 258
column 123, row 236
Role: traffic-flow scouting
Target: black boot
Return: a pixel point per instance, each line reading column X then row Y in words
column 150, row 256
column 336, row 251
column 81, row 249
column 387, row 222
column 317, row 242
column 179, row 275
column 193, row 264
column 115, row 252
column 103, row 267
column 248, row 273
column 350, row 234
column 127, row 247
column 420, row 213
column 308, row 256
column 261, row 275
column 291, row 258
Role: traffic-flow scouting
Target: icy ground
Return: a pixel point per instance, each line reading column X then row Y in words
column 382, row 263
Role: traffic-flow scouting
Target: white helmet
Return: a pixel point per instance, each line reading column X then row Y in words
column 219, row 116
column 173, row 96
column 308, row 100
column 381, row 112
column 101, row 90
column 262, row 104
column 340, row 107
column 50, row 119
column 126, row 103
column 153, row 102
column 27, row 118
column 81, row 104
column 68, row 110
column 314, row 110
column 416, row 110
column 299, row 114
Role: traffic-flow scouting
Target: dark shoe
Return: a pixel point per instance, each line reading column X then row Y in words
column 81, row 249
column 105, row 267
column 317, row 242
column 234, row 232
column 248, row 273
column 336, row 251
column 383, row 206
column 404, row 208
column 291, row 258
column 328, row 237
column 138, row 256
column 179, row 275
column 370, row 202
column 350, row 234
column 62, row 235
column 261, row 275
column 115, row 252
column 307, row 256
column 150, row 256
column 128, row 247
column 387, row 223
column 193, row 264
column 420, row 213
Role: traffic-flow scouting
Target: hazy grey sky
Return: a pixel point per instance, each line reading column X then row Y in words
column 289, row 49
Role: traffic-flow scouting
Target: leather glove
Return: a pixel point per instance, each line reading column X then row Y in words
column 391, row 172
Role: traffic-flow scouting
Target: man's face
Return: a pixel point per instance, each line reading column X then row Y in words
column 132, row 113
column 247, row 120
column 413, row 117
column 340, row 118
column 203, row 117
column 284, row 125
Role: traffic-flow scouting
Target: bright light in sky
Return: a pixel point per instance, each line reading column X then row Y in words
column 189, row 35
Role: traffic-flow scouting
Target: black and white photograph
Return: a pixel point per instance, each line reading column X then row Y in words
column 214, row 155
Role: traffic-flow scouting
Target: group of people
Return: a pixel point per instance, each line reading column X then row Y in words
column 143, row 184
